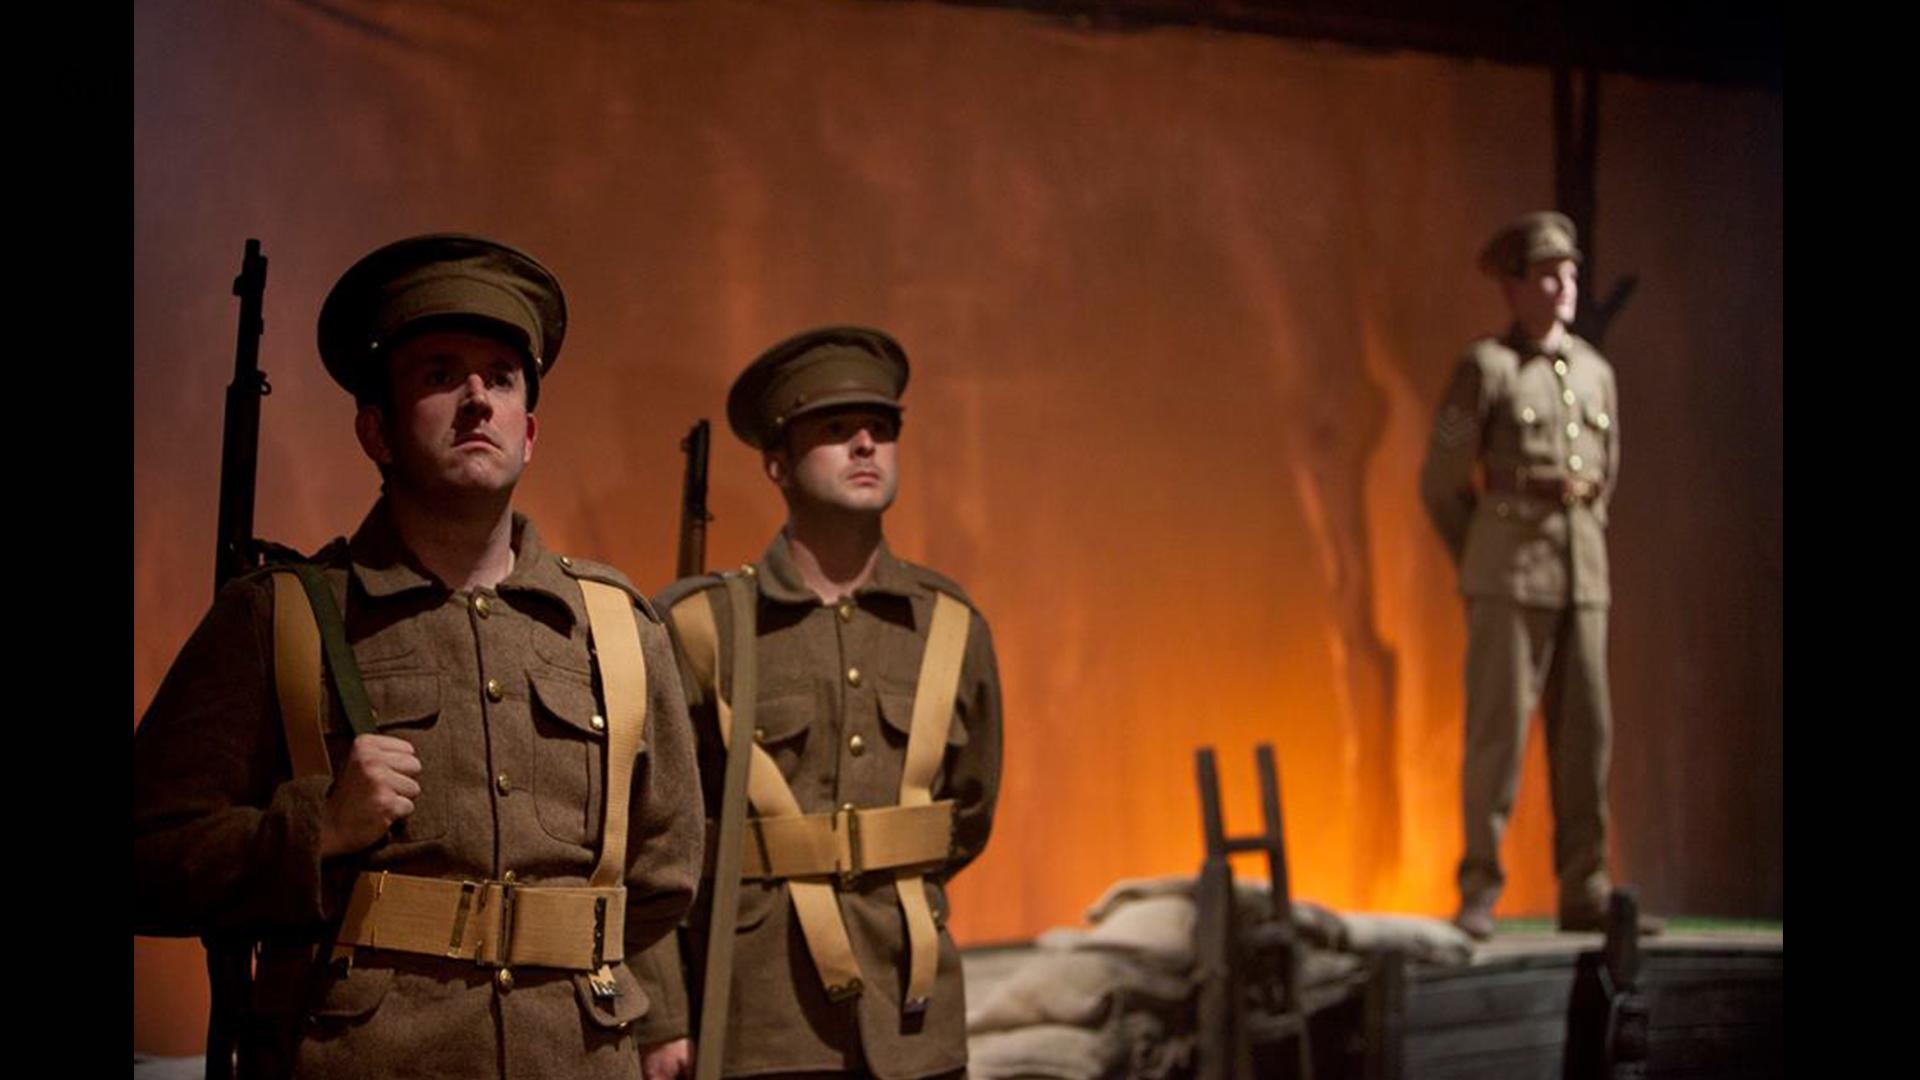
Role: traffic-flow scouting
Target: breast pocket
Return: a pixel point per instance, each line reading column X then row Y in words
column 1533, row 434
column 570, row 738
column 1599, row 427
column 896, row 714
column 407, row 705
column 781, row 726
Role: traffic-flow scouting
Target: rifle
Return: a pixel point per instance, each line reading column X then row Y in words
column 235, row 551
column 693, row 504
column 229, row 957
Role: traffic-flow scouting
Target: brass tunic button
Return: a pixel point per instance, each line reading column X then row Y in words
column 504, row 784
column 1574, row 463
column 494, row 692
column 1526, row 415
column 1560, row 368
column 845, row 611
column 747, row 569
column 1573, row 431
column 482, row 606
column 507, row 877
column 853, row 676
column 759, row 734
column 847, row 808
column 566, row 562
column 598, row 723
column 856, row 746
column 503, row 979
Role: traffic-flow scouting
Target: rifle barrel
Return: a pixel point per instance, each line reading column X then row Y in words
column 240, row 436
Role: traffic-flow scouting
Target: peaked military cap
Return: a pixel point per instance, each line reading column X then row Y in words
column 1526, row 240
column 818, row 369
column 447, row 277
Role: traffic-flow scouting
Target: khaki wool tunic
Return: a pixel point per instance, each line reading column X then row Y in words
column 836, row 692
column 1509, row 414
column 497, row 692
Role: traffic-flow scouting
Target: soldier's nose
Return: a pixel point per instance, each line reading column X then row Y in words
column 473, row 394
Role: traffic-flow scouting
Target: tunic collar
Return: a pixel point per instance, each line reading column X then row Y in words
column 384, row 567
column 780, row 579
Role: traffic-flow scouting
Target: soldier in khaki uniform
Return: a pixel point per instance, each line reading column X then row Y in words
column 845, row 635
column 1518, row 478
column 459, row 888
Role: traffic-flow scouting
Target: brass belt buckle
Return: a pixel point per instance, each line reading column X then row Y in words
column 850, row 873
column 601, row 981
column 502, row 951
column 457, row 940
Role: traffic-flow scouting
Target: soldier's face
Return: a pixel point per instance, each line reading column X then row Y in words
column 845, row 459
column 459, row 419
column 1546, row 294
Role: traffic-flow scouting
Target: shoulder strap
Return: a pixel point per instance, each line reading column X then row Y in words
column 307, row 622
column 699, row 639
column 933, row 696
column 297, row 676
column 623, row 683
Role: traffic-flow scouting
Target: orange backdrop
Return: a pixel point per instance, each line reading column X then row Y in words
column 1179, row 305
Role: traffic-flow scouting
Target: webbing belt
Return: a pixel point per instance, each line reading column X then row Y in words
column 845, row 844
column 835, row 848
column 490, row 922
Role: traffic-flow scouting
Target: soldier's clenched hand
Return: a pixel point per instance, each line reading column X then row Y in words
column 375, row 788
column 667, row 1061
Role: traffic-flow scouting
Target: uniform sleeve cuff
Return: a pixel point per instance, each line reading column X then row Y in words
column 658, row 972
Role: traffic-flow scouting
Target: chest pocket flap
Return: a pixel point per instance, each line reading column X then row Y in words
column 569, row 698
column 401, row 699
column 897, row 710
column 778, row 720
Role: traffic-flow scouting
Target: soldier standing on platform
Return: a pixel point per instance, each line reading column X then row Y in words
column 1518, row 479
column 451, row 839
column 875, row 738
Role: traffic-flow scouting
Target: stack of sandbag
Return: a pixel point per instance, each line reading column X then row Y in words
column 1117, row 1000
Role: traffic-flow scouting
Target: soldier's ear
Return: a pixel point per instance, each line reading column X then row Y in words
column 777, row 467
column 371, row 428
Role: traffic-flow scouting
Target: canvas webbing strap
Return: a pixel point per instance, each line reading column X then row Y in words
column 933, row 698
column 814, row 902
column 813, row 851
column 749, row 766
column 848, row 843
column 296, row 676
column 347, row 686
column 492, row 923
column 623, row 687
column 701, row 639
column 307, row 622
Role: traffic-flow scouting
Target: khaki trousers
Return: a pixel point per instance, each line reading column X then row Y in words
column 1518, row 656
